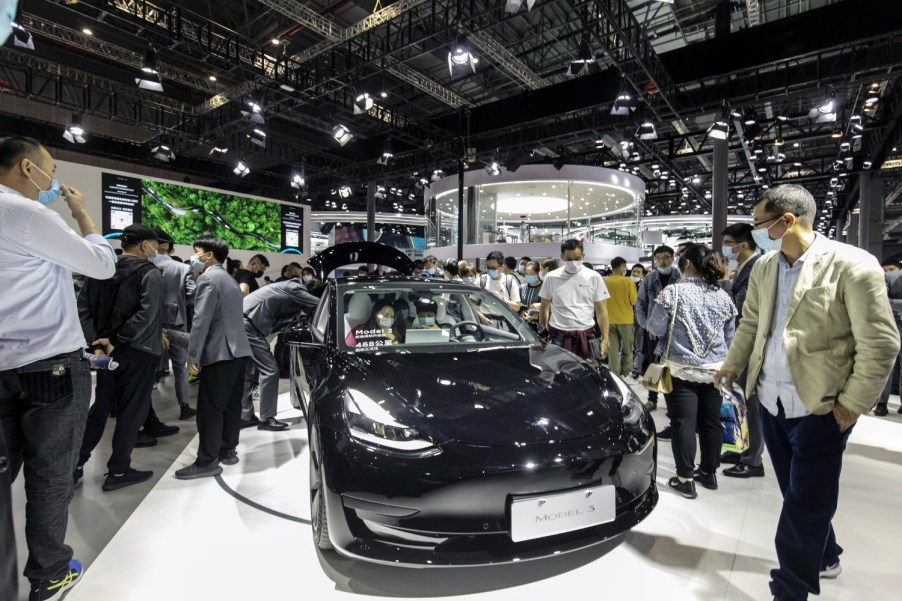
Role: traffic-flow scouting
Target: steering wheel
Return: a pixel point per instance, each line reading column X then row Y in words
column 472, row 327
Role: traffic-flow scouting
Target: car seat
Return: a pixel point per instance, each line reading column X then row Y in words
column 359, row 308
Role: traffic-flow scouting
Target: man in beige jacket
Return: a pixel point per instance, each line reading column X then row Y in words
column 819, row 339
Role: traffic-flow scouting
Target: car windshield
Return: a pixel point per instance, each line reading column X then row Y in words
column 426, row 316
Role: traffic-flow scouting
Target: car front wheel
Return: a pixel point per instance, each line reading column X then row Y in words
column 318, row 519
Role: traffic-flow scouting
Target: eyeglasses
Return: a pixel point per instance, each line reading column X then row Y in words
column 663, row 258
column 757, row 223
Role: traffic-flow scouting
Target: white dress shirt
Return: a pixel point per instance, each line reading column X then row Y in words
column 775, row 382
column 38, row 253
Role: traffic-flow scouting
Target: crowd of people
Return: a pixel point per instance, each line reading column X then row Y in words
column 807, row 332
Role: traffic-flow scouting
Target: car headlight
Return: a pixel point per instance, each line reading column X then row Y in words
column 634, row 415
column 368, row 421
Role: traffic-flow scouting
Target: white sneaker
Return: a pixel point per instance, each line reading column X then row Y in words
column 831, row 571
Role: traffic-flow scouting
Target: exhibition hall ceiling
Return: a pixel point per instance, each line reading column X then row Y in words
column 809, row 91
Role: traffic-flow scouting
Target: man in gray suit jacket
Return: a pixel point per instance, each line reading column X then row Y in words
column 894, row 289
column 265, row 311
column 178, row 288
column 219, row 346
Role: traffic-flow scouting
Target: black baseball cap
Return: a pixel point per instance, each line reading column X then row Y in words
column 163, row 236
column 138, row 233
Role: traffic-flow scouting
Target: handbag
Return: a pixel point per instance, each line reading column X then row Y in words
column 734, row 420
column 657, row 376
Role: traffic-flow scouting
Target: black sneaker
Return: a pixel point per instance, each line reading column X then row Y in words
column 145, row 440
column 880, row 410
column 664, row 434
column 741, row 470
column 187, row 412
column 78, row 474
column 132, row 476
column 162, row 430
column 194, row 471
column 730, row 457
column 709, row 481
column 54, row 589
column 831, row 571
column 228, row 457
column 253, row 420
column 687, row 489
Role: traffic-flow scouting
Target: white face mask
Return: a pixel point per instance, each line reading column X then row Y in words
column 572, row 266
column 635, row 278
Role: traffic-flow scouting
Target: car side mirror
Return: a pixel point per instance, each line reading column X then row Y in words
column 302, row 335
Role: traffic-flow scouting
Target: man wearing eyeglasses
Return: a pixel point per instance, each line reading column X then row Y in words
column 819, row 340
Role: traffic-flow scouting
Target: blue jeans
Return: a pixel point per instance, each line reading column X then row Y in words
column 806, row 453
column 43, row 420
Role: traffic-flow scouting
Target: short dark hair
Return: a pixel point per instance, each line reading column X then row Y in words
column 888, row 262
column 450, row 266
column 705, row 262
column 527, row 259
column 617, row 262
column 663, row 249
column 790, row 198
column 550, row 264
column 418, row 264
column 362, row 268
column 295, row 264
column 284, row 269
column 262, row 259
column 741, row 232
column 639, row 265
column 511, row 263
column 213, row 244
column 495, row 255
column 15, row 148
column 571, row 244
column 534, row 265
column 430, row 259
column 307, row 269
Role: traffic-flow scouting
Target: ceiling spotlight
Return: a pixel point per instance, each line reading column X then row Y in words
column 386, row 150
column 437, row 175
column 344, row 191
column 219, row 150
column 363, row 103
column 253, row 111
column 241, row 169
column 460, row 55
column 873, row 94
column 719, row 130
column 837, row 133
column 149, row 78
column 342, row 134
column 493, row 168
column 212, row 78
column 829, row 105
column 647, row 131
column 74, row 133
column 163, row 153
column 750, row 118
column 22, row 37
column 845, row 147
column 584, row 57
column 276, row 41
column 866, row 165
column 87, row 31
column 512, row 6
column 297, row 180
column 258, row 137
column 779, row 142
column 624, row 104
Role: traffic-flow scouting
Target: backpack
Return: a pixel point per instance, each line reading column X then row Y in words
column 107, row 309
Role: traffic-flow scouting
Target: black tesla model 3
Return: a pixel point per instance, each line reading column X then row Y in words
column 443, row 431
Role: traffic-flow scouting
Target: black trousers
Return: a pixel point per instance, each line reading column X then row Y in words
column 695, row 408
column 127, row 388
column 219, row 408
column 806, row 453
column 9, row 579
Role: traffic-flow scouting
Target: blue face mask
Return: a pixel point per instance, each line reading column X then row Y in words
column 402, row 313
column 532, row 279
column 197, row 264
column 386, row 322
column 521, row 269
column 492, row 273
column 46, row 197
column 730, row 253
column 763, row 240
column 156, row 259
column 427, row 321
column 664, row 269
column 470, row 280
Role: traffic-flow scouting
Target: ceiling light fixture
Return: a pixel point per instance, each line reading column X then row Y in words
column 297, row 180
column 363, row 103
column 74, row 133
column 585, row 56
column 241, row 169
column 719, row 130
column 22, row 37
column 624, row 104
column 253, row 111
column 258, row 137
column 512, row 6
column 163, row 153
column 493, row 168
column 149, row 78
column 647, row 131
column 837, row 133
column 87, row 31
column 342, row 134
column 460, row 55
column 219, row 150
column 873, row 94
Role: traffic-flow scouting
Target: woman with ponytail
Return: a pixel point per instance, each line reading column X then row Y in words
column 694, row 321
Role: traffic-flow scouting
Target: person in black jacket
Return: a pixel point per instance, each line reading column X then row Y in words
column 133, row 336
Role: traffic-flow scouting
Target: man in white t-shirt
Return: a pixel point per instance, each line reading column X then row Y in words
column 577, row 295
column 502, row 285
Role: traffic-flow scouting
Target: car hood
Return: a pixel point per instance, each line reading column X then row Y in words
column 498, row 397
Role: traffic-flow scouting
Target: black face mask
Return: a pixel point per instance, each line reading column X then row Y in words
column 257, row 275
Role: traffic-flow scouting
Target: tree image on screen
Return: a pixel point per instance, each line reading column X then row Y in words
column 186, row 213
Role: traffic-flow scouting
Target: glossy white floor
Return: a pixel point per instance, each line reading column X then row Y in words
column 179, row 540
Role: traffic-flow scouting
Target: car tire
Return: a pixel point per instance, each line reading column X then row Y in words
column 318, row 519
